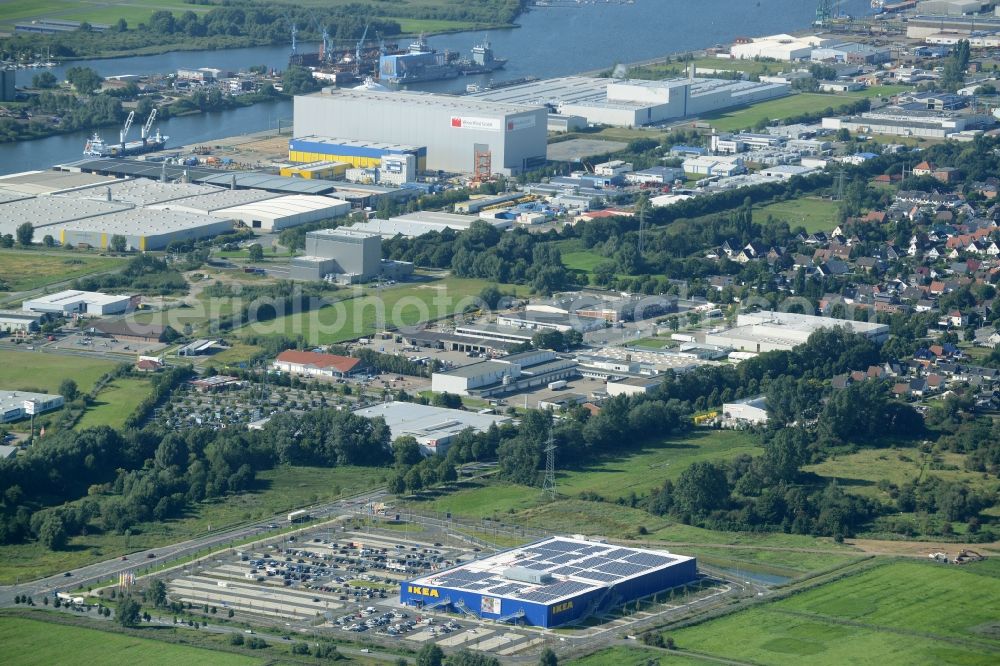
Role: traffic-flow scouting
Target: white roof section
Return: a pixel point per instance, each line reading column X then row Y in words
column 76, row 296
column 804, row 323
column 143, row 222
column 15, row 399
column 422, row 222
column 43, row 212
column 407, row 99
column 217, row 200
column 47, row 182
column 576, row 566
column 293, row 204
column 141, row 191
column 425, row 422
column 614, row 93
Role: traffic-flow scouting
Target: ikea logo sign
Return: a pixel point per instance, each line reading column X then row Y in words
column 422, row 591
column 559, row 608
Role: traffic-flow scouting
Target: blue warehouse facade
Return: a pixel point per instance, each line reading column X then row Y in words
column 551, row 582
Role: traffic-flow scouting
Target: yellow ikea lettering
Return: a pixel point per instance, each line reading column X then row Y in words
column 559, row 608
column 422, row 591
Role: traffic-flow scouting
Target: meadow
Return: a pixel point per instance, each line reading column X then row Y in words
column 277, row 491
column 399, row 306
column 136, row 11
column 746, row 117
column 634, row 656
column 25, row 370
column 898, row 613
column 115, row 403
column 21, row 270
column 860, row 472
column 813, row 214
column 29, row 641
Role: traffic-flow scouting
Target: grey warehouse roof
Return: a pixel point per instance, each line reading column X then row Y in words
column 219, row 200
column 409, row 98
column 140, row 191
column 47, row 182
column 43, row 212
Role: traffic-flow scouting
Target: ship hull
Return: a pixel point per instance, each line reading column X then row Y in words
column 131, row 148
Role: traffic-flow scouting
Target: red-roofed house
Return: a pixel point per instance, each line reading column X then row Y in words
column 602, row 214
column 316, row 364
column 924, row 169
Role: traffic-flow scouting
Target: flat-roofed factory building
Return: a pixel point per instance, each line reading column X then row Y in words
column 461, row 135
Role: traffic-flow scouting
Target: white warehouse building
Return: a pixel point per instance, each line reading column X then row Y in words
column 73, row 301
column 283, row 212
column 778, row 47
column 634, row 103
column 460, row 133
column 776, row 331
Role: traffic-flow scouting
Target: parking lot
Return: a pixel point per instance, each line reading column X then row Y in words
column 346, row 582
column 86, row 342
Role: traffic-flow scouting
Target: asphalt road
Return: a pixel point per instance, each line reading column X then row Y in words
column 109, row 569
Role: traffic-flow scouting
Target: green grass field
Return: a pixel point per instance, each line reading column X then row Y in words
column 639, row 469
column 403, row 305
column 860, row 472
column 115, row 402
column 29, row 641
column 136, row 11
column 24, row 370
column 133, row 11
column 21, row 270
column 634, row 656
column 278, row 491
column 777, row 109
column 583, row 260
column 813, row 214
column 900, row 613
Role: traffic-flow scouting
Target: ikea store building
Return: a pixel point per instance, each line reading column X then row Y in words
column 551, row 582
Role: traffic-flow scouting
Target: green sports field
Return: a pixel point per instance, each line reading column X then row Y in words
column 900, row 613
column 30, row 642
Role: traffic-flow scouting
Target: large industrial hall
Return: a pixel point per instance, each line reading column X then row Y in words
column 551, row 582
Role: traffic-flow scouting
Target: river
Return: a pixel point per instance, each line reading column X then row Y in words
column 551, row 41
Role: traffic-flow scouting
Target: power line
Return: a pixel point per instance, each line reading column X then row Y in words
column 549, row 484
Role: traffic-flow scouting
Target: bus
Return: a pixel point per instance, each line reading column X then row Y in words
column 298, row 516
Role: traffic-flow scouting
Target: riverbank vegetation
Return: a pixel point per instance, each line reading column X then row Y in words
column 240, row 23
column 80, row 106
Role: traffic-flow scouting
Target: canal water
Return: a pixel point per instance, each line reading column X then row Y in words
column 551, row 41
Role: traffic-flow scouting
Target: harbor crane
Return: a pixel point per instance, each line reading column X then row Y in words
column 324, row 54
column 295, row 31
column 148, row 126
column 124, row 130
column 361, row 43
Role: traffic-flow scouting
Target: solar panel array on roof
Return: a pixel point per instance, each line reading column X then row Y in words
column 649, row 560
column 621, row 569
column 566, row 571
column 599, row 576
column 580, row 567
